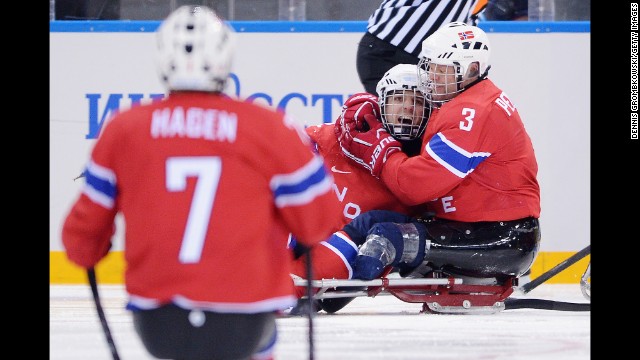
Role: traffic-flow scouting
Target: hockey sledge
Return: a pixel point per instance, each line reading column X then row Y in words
column 448, row 295
column 451, row 295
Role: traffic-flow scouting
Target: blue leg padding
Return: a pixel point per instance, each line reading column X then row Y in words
column 360, row 227
column 367, row 268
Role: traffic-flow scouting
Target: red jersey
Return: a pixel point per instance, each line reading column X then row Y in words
column 358, row 192
column 356, row 189
column 477, row 161
column 207, row 185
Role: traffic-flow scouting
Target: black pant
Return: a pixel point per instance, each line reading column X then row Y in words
column 483, row 249
column 375, row 57
column 168, row 333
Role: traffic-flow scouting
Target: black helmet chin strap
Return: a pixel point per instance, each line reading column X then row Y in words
column 480, row 78
column 486, row 72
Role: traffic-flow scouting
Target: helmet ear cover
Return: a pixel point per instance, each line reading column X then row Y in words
column 195, row 49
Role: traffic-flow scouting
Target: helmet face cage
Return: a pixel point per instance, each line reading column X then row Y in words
column 404, row 112
column 194, row 50
column 440, row 83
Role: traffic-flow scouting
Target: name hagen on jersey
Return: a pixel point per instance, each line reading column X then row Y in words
column 208, row 124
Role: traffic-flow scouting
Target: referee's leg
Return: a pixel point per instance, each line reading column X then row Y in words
column 375, row 57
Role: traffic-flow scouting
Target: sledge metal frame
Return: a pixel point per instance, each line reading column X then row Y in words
column 585, row 283
column 441, row 293
column 438, row 295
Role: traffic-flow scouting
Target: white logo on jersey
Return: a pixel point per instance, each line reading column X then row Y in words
column 333, row 168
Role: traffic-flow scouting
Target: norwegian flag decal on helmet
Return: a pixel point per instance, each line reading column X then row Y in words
column 466, row 35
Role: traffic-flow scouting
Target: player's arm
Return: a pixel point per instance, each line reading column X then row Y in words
column 302, row 186
column 89, row 226
column 87, row 232
column 446, row 159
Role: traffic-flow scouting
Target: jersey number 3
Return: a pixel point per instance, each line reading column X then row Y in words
column 468, row 115
column 207, row 171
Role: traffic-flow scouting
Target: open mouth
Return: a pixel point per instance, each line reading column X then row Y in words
column 405, row 120
column 401, row 127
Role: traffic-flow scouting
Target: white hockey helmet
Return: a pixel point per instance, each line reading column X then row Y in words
column 408, row 118
column 195, row 49
column 456, row 45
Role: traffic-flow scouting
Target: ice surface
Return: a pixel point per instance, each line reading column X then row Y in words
column 383, row 327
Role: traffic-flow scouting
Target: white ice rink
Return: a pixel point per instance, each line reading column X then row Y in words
column 383, row 327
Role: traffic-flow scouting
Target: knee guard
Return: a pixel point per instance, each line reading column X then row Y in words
column 389, row 243
column 359, row 228
column 498, row 249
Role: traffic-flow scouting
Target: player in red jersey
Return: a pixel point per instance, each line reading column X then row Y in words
column 403, row 111
column 186, row 173
column 476, row 172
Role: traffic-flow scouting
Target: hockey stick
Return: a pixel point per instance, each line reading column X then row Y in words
column 556, row 270
column 511, row 304
column 311, row 311
column 541, row 304
column 91, row 273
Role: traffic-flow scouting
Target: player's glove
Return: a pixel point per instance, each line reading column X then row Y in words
column 371, row 148
column 354, row 111
column 390, row 244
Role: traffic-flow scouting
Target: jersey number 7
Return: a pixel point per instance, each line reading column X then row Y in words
column 207, row 170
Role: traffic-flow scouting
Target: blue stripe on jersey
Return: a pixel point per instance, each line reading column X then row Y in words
column 343, row 247
column 346, row 247
column 454, row 158
column 100, row 184
column 301, row 186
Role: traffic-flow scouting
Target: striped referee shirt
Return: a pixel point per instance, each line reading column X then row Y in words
column 406, row 23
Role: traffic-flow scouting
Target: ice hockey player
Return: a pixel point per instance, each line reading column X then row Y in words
column 401, row 109
column 187, row 173
column 476, row 172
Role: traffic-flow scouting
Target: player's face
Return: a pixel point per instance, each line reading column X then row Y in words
column 404, row 107
column 443, row 85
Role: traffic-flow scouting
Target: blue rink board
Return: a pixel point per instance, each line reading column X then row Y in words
column 312, row 26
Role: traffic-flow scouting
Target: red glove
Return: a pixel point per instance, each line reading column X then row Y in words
column 371, row 148
column 354, row 112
